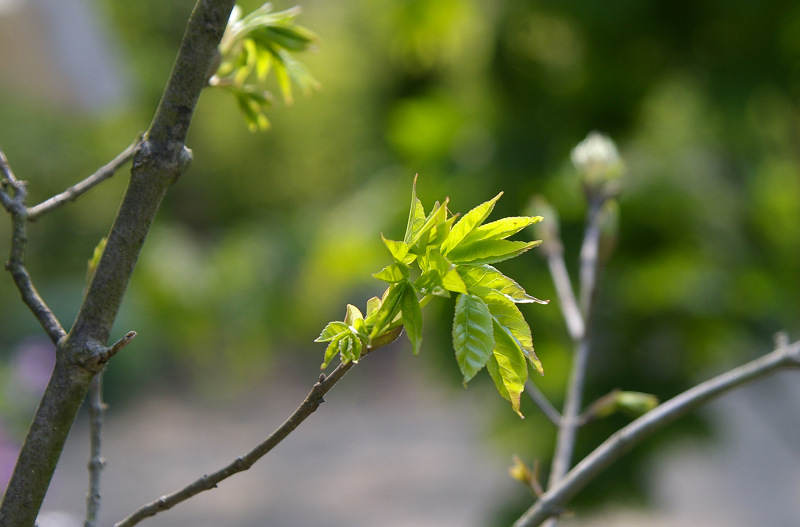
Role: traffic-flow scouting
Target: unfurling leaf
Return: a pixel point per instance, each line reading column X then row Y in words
column 472, row 335
column 439, row 256
column 412, row 317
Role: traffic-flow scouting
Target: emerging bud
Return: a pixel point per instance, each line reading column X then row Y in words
column 600, row 165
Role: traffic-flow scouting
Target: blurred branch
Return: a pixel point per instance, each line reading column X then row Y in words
column 570, row 421
column 210, row 481
column 567, row 301
column 16, row 262
column 75, row 191
column 551, row 503
column 543, row 403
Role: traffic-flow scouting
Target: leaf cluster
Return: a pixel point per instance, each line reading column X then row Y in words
column 442, row 255
column 256, row 45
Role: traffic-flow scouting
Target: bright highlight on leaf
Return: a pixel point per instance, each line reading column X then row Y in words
column 441, row 255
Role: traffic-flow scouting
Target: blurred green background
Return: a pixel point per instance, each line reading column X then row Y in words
column 269, row 235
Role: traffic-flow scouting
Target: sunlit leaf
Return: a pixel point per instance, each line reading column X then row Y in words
column 421, row 235
column 508, row 315
column 501, row 229
column 430, row 283
column 392, row 273
column 330, row 353
column 489, row 251
column 389, row 310
column 399, row 251
column 507, row 366
column 450, row 278
column 466, row 224
column 355, row 321
column 331, row 331
column 416, row 216
column 473, row 338
column 480, row 279
column 412, row 317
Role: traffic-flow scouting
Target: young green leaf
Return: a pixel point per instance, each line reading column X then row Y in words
column 481, row 279
column 355, row 321
column 330, row 352
column 505, row 313
column 331, row 331
column 488, row 251
column 416, row 216
column 399, row 251
column 412, row 317
column 501, row 229
column 466, row 224
column 390, row 308
column 450, row 278
column 392, row 273
column 507, row 366
column 473, row 338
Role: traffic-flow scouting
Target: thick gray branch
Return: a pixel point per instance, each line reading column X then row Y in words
column 157, row 162
column 552, row 502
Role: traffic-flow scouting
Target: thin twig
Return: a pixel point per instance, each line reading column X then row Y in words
column 570, row 420
column 96, row 462
column 622, row 441
column 209, row 481
column 589, row 258
column 76, row 190
column 16, row 262
column 566, row 297
column 543, row 403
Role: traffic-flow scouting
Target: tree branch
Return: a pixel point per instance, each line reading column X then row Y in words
column 543, row 403
column 570, row 421
column 210, row 481
column 75, row 191
column 551, row 503
column 18, row 211
column 158, row 161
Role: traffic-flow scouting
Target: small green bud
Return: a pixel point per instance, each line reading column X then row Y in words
column 600, row 165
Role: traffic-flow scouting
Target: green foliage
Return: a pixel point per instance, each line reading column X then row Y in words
column 451, row 257
column 251, row 48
